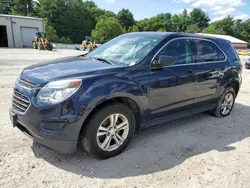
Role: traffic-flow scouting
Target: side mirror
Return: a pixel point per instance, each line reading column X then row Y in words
column 166, row 60
column 162, row 62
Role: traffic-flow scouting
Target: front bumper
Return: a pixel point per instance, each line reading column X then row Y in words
column 61, row 141
column 55, row 126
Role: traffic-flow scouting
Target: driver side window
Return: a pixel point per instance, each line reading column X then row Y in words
column 179, row 50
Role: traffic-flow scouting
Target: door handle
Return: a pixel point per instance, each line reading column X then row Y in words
column 190, row 73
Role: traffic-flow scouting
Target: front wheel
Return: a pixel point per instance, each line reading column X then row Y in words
column 34, row 46
column 225, row 103
column 40, row 46
column 109, row 131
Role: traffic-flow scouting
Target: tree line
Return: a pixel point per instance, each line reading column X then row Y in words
column 69, row 21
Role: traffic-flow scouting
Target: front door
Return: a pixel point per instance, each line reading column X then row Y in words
column 172, row 89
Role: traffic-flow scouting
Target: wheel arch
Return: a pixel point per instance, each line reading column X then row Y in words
column 235, row 85
column 232, row 79
column 129, row 102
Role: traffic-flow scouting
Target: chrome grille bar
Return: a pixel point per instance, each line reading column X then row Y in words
column 20, row 102
column 18, row 96
column 26, row 84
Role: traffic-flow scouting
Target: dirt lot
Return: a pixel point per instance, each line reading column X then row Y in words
column 198, row 151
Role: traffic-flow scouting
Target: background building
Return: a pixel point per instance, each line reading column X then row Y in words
column 237, row 43
column 19, row 31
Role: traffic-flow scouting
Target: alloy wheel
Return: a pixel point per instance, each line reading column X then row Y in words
column 227, row 104
column 112, row 132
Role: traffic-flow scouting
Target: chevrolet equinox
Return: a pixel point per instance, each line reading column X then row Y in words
column 100, row 100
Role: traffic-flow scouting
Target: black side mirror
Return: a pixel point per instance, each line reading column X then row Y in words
column 166, row 60
column 162, row 62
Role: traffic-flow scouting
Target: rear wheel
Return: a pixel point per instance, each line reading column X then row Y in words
column 225, row 103
column 109, row 131
column 49, row 47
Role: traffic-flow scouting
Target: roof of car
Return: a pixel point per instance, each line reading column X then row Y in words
column 180, row 34
column 227, row 37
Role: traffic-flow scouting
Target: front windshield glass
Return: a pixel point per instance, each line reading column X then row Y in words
column 126, row 49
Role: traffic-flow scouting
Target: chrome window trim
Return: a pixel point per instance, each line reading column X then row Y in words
column 190, row 38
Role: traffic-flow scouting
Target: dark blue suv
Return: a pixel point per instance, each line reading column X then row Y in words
column 100, row 100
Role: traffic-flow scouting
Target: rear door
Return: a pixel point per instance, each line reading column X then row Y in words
column 210, row 69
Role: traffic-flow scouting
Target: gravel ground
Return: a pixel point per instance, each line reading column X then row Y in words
column 197, row 151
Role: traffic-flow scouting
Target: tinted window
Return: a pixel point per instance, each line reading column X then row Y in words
column 207, row 51
column 179, row 50
column 229, row 49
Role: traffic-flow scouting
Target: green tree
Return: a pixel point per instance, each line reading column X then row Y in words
column 242, row 29
column 126, row 18
column 176, row 23
column 184, row 21
column 63, row 40
column 200, row 18
column 225, row 26
column 109, row 14
column 211, row 29
column 23, row 7
column 75, row 19
column 51, row 10
column 75, row 22
column 51, row 33
column 133, row 28
column 5, row 6
column 68, row 41
column 193, row 28
column 180, row 22
column 106, row 29
column 160, row 22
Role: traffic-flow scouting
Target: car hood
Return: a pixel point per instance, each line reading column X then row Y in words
column 63, row 68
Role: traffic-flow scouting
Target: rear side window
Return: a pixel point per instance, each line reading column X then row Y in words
column 179, row 50
column 207, row 51
column 231, row 52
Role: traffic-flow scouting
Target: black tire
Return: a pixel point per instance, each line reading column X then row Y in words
column 88, row 137
column 217, row 112
column 34, row 46
column 49, row 47
column 40, row 46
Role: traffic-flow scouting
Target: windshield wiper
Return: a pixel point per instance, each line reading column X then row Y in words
column 104, row 60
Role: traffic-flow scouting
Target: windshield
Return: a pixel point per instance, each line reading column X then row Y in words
column 126, row 49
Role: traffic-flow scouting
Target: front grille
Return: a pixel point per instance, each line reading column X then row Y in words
column 26, row 84
column 20, row 102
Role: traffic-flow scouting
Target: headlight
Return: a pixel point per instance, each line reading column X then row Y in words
column 56, row 92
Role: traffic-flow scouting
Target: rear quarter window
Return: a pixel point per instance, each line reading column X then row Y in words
column 230, row 51
column 207, row 51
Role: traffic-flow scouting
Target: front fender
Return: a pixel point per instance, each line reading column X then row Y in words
column 104, row 89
